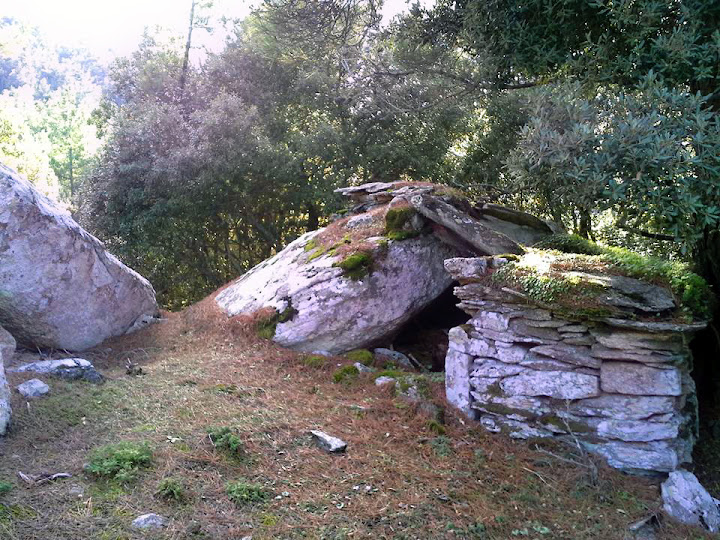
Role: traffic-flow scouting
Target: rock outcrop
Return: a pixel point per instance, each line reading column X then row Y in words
column 59, row 287
column 357, row 282
column 7, row 348
column 686, row 500
column 532, row 369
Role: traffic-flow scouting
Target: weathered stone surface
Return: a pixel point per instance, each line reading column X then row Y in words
column 362, row 368
column 333, row 312
column 579, row 356
column 59, row 287
column 629, row 293
column 639, row 340
column 511, row 353
column 636, row 355
column 459, row 340
column 556, row 384
column 457, row 379
column 658, row 456
column 638, row 430
column 487, row 367
column 67, row 368
column 149, row 522
column 383, row 380
column 686, row 500
column 481, row 237
column 660, row 327
column 466, row 268
column 329, row 443
column 7, row 349
column 395, row 356
column 33, row 388
column 639, row 379
column 623, row 407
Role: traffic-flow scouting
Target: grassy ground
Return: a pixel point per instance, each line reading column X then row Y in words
column 402, row 477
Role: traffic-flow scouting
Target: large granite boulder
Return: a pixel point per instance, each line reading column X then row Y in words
column 7, row 348
column 59, row 287
column 357, row 282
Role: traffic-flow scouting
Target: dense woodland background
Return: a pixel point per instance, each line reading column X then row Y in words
column 602, row 115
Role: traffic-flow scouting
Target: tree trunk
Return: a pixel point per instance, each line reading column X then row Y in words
column 186, row 59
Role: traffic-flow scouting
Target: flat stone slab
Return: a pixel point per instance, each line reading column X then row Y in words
column 381, row 381
column 556, row 384
column 329, row 443
column 639, row 379
column 33, row 388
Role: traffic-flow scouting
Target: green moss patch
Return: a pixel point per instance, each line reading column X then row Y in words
column 356, row 265
column 361, row 355
column 267, row 327
column 121, row 461
column 346, row 375
column 692, row 291
column 397, row 221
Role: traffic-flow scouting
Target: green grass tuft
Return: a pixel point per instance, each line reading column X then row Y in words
column 171, row 489
column 5, row 487
column 396, row 222
column 121, row 461
column 315, row 361
column 242, row 492
column 267, row 327
column 346, row 375
column 227, row 442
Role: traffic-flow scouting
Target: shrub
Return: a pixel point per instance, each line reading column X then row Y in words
column 242, row 492
column 227, row 442
column 346, row 374
column 570, row 243
column 5, row 487
column 171, row 489
column 120, row 461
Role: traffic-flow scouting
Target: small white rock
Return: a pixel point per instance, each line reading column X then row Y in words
column 149, row 521
column 33, row 388
column 384, row 380
column 362, row 368
column 686, row 500
column 328, row 442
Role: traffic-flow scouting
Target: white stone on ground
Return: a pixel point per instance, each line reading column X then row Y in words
column 33, row 388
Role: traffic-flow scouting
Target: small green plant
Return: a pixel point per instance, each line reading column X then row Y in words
column 361, row 355
column 314, row 361
column 393, row 373
column 346, row 375
column 171, row 489
column 121, row 461
column 356, row 266
column 5, row 487
column 441, row 445
column 436, row 427
column 242, row 492
column 569, row 243
column 396, row 222
column 227, row 442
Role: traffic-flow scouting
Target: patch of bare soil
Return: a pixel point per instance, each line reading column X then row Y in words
column 403, row 476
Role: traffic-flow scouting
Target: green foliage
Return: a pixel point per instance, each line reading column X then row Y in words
column 356, row 265
column 171, row 489
column 5, row 487
column 227, row 442
column 361, row 355
column 315, row 361
column 346, row 375
column 121, row 461
column 436, row 427
column 570, row 243
column 397, row 223
column 243, row 493
column 394, row 373
column 542, row 288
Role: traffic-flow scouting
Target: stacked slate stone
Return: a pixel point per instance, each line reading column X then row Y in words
column 620, row 386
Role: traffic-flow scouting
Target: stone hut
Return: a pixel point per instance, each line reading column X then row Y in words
column 609, row 367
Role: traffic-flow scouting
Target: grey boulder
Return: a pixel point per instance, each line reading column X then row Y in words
column 33, row 388
column 329, row 443
column 686, row 500
column 59, row 287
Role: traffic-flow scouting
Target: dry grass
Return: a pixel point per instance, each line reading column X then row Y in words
column 398, row 479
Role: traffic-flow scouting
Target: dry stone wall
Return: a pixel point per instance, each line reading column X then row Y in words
column 621, row 386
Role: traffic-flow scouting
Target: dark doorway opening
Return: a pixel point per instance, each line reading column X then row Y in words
column 425, row 337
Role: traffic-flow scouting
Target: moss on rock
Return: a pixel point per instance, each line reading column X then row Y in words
column 356, row 265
